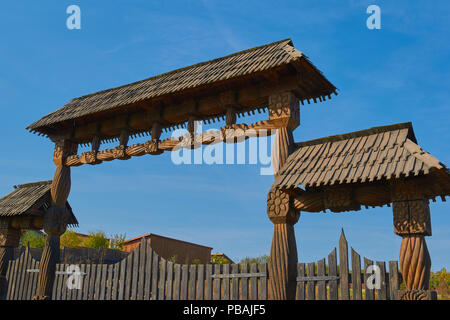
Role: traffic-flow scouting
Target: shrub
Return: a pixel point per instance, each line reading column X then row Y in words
column 33, row 238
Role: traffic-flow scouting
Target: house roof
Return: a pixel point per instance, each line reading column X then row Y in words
column 363, row 156
column 197, row 76
column 149, row 235
column 28, row 200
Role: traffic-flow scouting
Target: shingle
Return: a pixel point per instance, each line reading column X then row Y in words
column 25, row 197
column 367, row 155
column 242, row 63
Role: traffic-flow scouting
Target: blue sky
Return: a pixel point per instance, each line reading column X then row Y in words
column 396, row 74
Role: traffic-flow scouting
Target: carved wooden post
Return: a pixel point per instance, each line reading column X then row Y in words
column 412, row 222
column 9, row 239
column 55, row 219
column 283, row 252
column 284, row 112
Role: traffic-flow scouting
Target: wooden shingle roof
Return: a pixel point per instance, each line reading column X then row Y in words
column 379, row 153
column 28, row 200
column 213, row 73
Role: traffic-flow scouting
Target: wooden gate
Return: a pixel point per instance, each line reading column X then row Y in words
column 321, row 281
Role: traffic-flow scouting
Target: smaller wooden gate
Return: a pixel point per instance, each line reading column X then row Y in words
column 321, row 281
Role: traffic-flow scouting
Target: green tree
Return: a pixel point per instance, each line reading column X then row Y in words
column 261, row 259
column 70, row 239
column 96, row 240
column 219, row 260
column 32, row 238
column 117, row 241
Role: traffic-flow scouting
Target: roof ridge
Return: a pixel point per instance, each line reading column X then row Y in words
column 32, row 184
column 288, row 40
column 360, row 133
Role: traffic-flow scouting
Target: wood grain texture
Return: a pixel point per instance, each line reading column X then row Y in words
column 415, row 262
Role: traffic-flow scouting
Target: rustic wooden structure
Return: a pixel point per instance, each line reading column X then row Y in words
column 274, row 77
column 373, row 167
column 144, row 275
column 23, row 208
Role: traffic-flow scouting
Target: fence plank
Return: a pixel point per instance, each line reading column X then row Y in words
column 253, row 282
column 184, row 282
column 87, row 280
column 263, row 282
column 235, row 283
column 134, row 280
column 177, row 282
column 148, row 273
column 82, row 279
column 12, row 279
column 155, row 276
column 162, row 280
column 244, row 282
column 121, row 287
column 109, row 280
column 29, row 282
column 129, row 276
column 343, row 267
column 300, row 295
column 356, row 275
column 208, row 291
column 216, row 283
column 381, row 293
column 192, row 281
column 98, row 281
column 226, row 282
column 64, row 288
column 370, row 293
column 332, row 271
column 104, row 282
column 394, row 280
column 141, row 276
column 200, row 281
column 18, row 277
column 115, row 282
column 169, row 280
column 26, row 266
column 311, row 288
column 321, row 285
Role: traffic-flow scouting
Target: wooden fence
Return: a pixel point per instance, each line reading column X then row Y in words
column 317, row 282
column 143, row 275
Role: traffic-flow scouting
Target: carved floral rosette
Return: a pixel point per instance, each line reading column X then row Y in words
column 280, row 207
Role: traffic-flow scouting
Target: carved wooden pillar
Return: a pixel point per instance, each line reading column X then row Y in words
column 284, row 112
column 9, row 239
column 55, row 220
column 412, row 222
column 283, row 252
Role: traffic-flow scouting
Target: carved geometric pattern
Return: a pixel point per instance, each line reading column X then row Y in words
column 151, row 147
column 412, row 217
column 119, row 153
column 284, row 109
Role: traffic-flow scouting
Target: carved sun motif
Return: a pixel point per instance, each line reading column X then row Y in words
column 278, row 202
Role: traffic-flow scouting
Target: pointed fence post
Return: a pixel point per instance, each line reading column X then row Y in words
column 343, row 267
